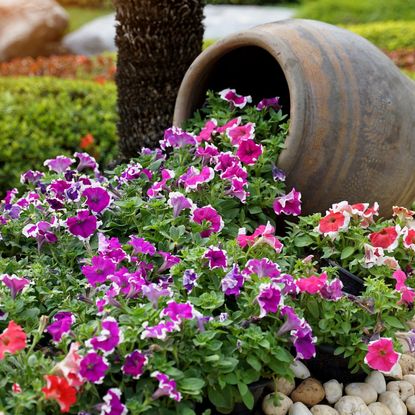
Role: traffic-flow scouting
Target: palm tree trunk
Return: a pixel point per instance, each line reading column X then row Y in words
column 157, row 41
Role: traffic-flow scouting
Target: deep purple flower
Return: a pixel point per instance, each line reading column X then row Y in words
column 41, row 231
column 263, row 267
column 289, row 204
column 233, row 281
column 100, row 269
column 236, row 100
column 332, row 291
column 210, row 215
column 141, row 246
column 277, row 174
column 61, row 325
column 176, row 137
column 86, row 162
column 269, row 103
column 57, row 189
column 292, row 322
column 169, row 260
column 109, row 337
column 134, row 364
column 179, row 202
column 193, row 178
column 113, row 404
column 93, row 367
column 269, row 298
column 83, row 225
column 97, row 198
column 132, row 171
column 14, row 284
column 189, row 280
column 159, row 331
column 153, row 292
column 178, row 311
column 216, row 257
column 304, row 342
column 31, row 176
column 59, row 164
column 166, row 387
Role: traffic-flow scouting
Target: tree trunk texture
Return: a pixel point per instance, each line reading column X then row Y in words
column 157, row 41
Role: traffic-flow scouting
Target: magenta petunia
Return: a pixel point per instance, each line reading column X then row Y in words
column 112, row 403
column 169, row 260
column 161, row 185
column 159, row 331
column 207, row 153
column 304, row 342
column 167, row 387
column 238, row 189
column 111, row 248
column 209, row 215
column 93, row 367
column 83, row 225
column 58, row 188
column 59, row 164
column 225, row 160
column 240, row 133
column 178, row 201
column 86, row 161
column 31, row 176
column 42, row 232
column 381, row 355
column 269, row 103
column 14, row 283
column 312, row 284
column 194, row 178
column 332, row 291
column 263, row 267
column 249, row 152
column 232, row 282
column 100, row 269
column 207, row 131
column 61, row 325
column 109, row 337
column 130, row 284
column 132, row 172
column 269, row 298
column 232, row 123
column 134, row 364
column 175, row 137
column 216, row 257
column 141, row 246
column 292, row 322
column 236, row 100
column 178, row 311
column 97, row 198
column 289, row 204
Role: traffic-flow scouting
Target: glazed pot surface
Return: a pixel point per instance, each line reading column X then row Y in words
column 352, row 112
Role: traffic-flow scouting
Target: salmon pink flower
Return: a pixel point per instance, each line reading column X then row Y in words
column 93, row 367
column 240, row 133
column 289, row 204
column 334, row 222
column 59, row 164
column 216, row 257
column 83, row 225
column 178, row 201
column 97, row 198
column 232, row 282
column 12, row 340
column 178, row 311
column 269, row 103
column 313, row 284
column 112, row 403
column 387, row 238
column 69, row 367
column 109, row 337
column 100, row 269
column 269, row 298
column 381, row 355
column 194, row 178
column 166, row 387
column 207, row 131
column 14, row 284
column 175, row 137
column 236, row 100
column 16, row 388
column 58, row 389
column 87, row 141
column 209, row 215
column 134, row 364
column 249, row 152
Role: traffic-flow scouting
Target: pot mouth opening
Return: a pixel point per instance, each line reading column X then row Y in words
column 250, row 70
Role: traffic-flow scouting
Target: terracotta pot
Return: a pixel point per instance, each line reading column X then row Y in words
column 352, row 112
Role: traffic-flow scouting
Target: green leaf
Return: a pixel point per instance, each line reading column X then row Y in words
column 254, row 362
column 246, row 395
column 393, row 321
column 347, row 252
column 312, row 307
column 303, row 240
column 191, row 384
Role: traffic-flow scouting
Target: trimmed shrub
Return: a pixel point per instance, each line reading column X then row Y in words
column 357, row 11
column 388, row 35
column 43, row 117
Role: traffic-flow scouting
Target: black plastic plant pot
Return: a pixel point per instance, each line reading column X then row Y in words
column 326, row 366
column 351, row 283
column 258, row 390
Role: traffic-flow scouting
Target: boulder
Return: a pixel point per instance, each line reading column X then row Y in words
column 31, row 28
column 378, row 408
column 392, row 401
column 377, row 380
column 352, row 405
column 309, row 392
column 334, row 391
column 323, row 410
column 362, row 390
column 403, row 388
column 282, row 408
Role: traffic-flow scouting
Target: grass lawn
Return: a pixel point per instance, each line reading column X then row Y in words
column 79, row 16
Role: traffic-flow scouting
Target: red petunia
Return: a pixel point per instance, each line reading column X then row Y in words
column 387, row 238
column 58, row 389
column 332, row 223
column 12, row 339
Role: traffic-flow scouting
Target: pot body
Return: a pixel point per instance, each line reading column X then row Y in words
column 352, row 112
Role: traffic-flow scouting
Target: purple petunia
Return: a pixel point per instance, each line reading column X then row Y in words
column 83, row 225
column 112, row 403
column 153, row 292
column 269, row 298
column 178, row 311
column 232, row 97
column 289, row 204
column 263, row 267
column 333, row 290
column 292, row 322
column 179, row 202
column 31, row 176
column 109, row 337
column 59, row 164
column 176, row 137
column 93, row 367
column 210, row 215
column 216, row 257
column 14, row 283
column 304, row 342
column 157, row 187
column 86, row 162
column 61, row 325
column 169, row 260
column 97, row 198
column 100, row 269
column 166, row 387
column 141, row 246
column 269, row 103
column 233, row 281
column 189, row 280
column 277, row 174
column 159, row 331
column 134, row 364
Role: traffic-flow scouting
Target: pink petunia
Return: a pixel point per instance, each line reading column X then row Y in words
column 264, row 234
column 193, row 178
column 233, row 98
column 289, row 204
column 240, row 133
column 249, row 152
column 211, row 216
column 381, row 355
column 207, row 131
column 313, row 284
column 216, row 257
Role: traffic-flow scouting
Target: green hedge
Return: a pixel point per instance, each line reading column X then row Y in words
column 357, row 11
column 389, row 35
column 43, row 117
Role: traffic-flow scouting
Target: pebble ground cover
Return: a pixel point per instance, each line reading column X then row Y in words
column 161, row 287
